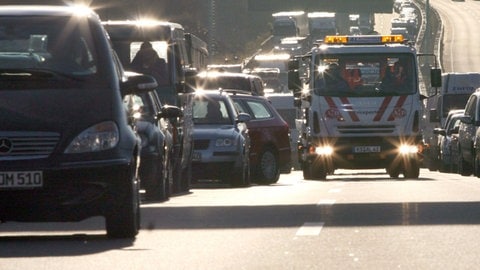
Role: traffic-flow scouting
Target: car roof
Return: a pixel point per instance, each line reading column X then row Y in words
column 45, row 10
column 214, row 74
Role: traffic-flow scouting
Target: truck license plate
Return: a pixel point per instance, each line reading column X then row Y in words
column 21, row 179
column 366, row 149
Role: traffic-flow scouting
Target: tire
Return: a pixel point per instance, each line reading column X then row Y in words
column 168, row 176
column 393, row 171
column 475, row 163
column 268, row 171
column 123, row 218
column 156, row 189
column 318, row 170
column 182, row 176
column 306, row 170
column 464, row 168
column 411, row 169
column 241, row 176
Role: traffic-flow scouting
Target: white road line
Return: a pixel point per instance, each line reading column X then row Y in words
column 334, row 190
column 310, row 229
column 326, row 202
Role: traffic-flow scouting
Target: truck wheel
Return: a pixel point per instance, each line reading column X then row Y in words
column 123, row 218
column 393, row 171
column 318, row 170
column 268, row 169
column 306, row 170
column 412, row 169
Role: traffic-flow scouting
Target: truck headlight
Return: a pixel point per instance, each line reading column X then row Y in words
column 408, row 149
column 325, row 150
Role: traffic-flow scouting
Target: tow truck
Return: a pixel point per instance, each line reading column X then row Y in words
column 369, row 118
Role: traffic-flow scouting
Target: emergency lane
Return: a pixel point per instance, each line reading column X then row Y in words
column 460, row 41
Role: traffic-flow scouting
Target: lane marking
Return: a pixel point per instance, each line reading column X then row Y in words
column 310, row 229
column 334, row 190
column 326, row 202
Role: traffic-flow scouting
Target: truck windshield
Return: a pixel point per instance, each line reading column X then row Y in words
column 365, row 75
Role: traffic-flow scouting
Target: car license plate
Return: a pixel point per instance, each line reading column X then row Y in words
column 21, row 179
column 197, row 156
column 366, row 149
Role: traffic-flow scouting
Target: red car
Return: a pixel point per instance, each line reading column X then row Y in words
column 270, row 152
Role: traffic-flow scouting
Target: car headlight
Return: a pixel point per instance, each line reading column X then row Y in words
column 102, row 136
column 224, row 142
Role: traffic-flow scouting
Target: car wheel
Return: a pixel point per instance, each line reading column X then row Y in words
column 268, row 170
column 123, row 218
column 476, row 164
column 463, row 168
column 241, row 177
column 155, row 190
column 306, row 170
column 168, row 176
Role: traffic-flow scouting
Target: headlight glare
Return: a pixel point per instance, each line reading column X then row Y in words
column 408, row 149
column 325, row 150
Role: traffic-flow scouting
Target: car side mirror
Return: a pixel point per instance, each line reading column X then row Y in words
column 169, row 111
column 243, row 118
column 466, row 119
column 436, row 77
column 137, row 83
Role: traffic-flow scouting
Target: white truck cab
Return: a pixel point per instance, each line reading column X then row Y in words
column 362, row 106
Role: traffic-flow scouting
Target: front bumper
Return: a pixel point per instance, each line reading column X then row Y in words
column 70, row 192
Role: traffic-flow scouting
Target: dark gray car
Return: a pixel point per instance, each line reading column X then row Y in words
column 67, row 151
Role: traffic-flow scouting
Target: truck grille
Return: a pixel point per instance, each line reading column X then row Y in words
column 375, row 129
column 27, row 145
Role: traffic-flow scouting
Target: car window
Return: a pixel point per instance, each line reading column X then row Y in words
column 470, row 107
column 240, row 107
column 259, row 110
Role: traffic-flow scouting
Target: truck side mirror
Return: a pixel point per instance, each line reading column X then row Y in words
column 436, row 77
column 433, row 116
column 294, row 81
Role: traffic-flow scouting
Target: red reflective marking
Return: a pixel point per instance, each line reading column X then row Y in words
column 333, row 112
column 382, row 109
column 349, row 107
column 398, row 108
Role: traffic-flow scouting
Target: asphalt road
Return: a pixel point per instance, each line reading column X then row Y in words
column 354, row 220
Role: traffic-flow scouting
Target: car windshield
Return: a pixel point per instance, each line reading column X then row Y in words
column 46, row 46
column 365, row 75
column 210, row 111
